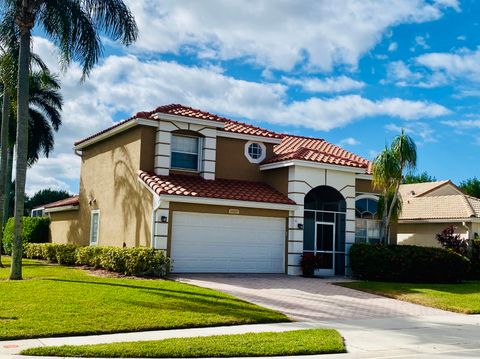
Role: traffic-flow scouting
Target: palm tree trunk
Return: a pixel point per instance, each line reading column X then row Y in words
column 3, row 155
column 22, row 149
column 8, row 187
column 392, row 207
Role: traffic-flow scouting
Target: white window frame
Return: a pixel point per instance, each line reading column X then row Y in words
column 92, row 213
column 368, row 221
column 199, row 154
column 259, row 159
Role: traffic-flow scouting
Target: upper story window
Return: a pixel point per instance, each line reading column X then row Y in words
column 185, row 152
column 255, row 151
column 367, row 224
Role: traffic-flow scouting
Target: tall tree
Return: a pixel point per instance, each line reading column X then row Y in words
column 418, row 178
column 46, row 196
column 471, row 187
column 388, row 171
column 75, row 26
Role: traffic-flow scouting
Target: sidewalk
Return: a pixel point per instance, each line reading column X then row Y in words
column 452, row 336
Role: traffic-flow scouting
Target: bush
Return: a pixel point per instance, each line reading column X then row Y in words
column 128, row 261
column 407, row 264
column 474, row 256
column 35, row 230
column 449, row 240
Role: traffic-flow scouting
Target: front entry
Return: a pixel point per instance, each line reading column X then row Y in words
column 325, row 247
column 324, row 229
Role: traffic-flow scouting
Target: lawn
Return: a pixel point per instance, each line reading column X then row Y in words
column 61, row 301
column 462, row 297
column 296, row 342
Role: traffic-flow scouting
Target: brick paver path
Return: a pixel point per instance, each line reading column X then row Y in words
column 308, row 299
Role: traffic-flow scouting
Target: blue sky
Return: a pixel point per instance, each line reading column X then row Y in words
column 352, row 72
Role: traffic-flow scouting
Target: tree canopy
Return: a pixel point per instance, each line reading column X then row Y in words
column 471, row 187
column 418, row 178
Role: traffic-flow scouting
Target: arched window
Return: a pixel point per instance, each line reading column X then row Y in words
column 367, row 223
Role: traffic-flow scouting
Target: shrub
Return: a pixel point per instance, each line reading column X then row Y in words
column 474, row 255
column 407, row 264
column 89, row 256
column 35, row 230
column 128, row 261
column 449, row 240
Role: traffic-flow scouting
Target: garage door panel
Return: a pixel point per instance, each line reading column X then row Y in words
column 227, row 243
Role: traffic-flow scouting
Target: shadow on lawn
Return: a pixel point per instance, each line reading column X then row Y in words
column 394, row 289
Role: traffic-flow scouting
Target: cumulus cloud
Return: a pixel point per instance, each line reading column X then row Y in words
column 280, row 35
column 417, row 129
column 401, row 74
column 350, row 141
column 325, row 85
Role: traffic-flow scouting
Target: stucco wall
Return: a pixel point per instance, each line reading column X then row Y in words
column 423, row 234
column 64, row 227
column 109, row 182
column 446, row 190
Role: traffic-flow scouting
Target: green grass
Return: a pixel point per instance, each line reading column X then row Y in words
column 297, row 342
column 61, row 301
column 461, row 297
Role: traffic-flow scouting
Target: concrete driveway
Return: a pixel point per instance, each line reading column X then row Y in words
column 308, row 299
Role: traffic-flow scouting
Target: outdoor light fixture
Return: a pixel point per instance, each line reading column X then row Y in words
column 163, row 219
column 300, row 226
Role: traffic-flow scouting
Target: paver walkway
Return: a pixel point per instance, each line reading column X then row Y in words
column 308, row 299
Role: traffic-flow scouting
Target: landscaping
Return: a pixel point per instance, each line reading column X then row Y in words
column 297, row 342
column 55, row 300
column 461, row 297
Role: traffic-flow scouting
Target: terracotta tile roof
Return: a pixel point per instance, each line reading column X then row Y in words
column 440, row 207
column 194, row 186
column 71, row 201
column 180, row 110
column 316, row 150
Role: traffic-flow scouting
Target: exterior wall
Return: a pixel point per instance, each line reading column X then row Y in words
column 109, row 182
column 300, row 181
column 163, row 140
column 232, row 163
column 423, row 234
column 64, row 227
column 364, row 186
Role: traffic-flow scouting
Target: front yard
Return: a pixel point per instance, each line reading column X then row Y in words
column 463, row 297
column 296, row 342
column 62, row 301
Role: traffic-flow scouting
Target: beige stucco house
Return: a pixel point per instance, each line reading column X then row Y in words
column 428, row 208
column 218, row 195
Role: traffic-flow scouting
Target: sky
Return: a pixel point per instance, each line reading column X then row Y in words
column 352, row 72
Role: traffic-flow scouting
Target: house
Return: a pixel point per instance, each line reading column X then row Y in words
column 428, row 208
column 218, row 195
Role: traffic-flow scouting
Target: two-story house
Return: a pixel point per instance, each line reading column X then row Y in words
column 218, row 195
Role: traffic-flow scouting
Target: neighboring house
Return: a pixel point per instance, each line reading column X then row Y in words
column 218, row 195
column 428, row 208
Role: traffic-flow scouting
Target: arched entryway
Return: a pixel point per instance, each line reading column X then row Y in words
column 324, row 228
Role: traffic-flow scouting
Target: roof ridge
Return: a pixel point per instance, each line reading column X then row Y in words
column 334, row 155
column 306, row 137
column 469, row 206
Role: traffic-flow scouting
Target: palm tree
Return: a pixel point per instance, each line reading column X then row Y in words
column 75, row 26
column 388, row 171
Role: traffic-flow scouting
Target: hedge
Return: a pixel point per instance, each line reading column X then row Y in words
column 35, row 230
column 128, row 261
column 396, row 263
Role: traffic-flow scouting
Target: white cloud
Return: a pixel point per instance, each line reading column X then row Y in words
column 421, row 41
column 350, row 141
column 392, row 47
column 280, row 35
column 400, row 73
column 462, row 124
column 325, row 85
column 416, row 129
column 125, row 84
column 461, row 37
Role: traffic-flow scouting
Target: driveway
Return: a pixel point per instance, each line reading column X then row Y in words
column 308, row 299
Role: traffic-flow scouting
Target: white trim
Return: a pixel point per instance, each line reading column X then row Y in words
column 367, row 196
column 247, row 154
column 113, row 131
column 228, row 202
column 364, row 176
column 61, row 209
column 92, row 213
column 439, row 220
column 242, row 136
column 302, row 163
column 197, row 121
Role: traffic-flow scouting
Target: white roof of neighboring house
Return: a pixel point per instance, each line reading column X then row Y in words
column 419, row 202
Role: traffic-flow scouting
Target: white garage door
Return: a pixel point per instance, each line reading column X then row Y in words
column 227, row 243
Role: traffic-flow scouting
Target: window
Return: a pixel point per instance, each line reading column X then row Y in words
column 185, row 150
column 367, row 224
column 255, row 151
column 94, row 227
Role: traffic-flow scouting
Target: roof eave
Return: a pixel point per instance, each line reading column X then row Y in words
column 302, row 163
column 61, row 208
column 198, row 121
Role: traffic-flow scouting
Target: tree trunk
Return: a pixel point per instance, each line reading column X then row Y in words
column 22, row 149
column 3, row 155
column 392, row 207
column 8, row 187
